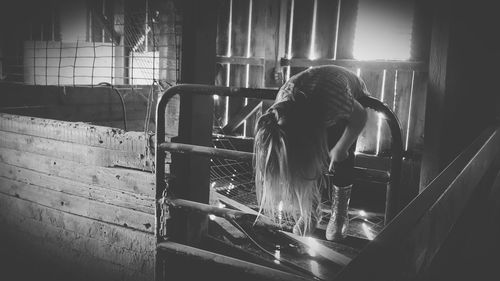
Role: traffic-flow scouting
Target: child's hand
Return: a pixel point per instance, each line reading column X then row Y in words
column 337, row 155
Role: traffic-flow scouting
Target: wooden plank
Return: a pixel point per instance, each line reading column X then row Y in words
column 302, row 27
column 402, row 100
column 138, row 261
column 347, row 28
column 142, row 184
column 255, row 61
column 237, row 79
column 270, row 36
column 120, row 237
column 326, row 24
column 79, row 153
column 417, row 115
column 78, row 205
column 52, row 261
column 385, row 133
column 76, row 254
column 354, row 64
column 81, row 133
column 223, row 10
column 92, row 192
column 239, row 28
column 367, row 142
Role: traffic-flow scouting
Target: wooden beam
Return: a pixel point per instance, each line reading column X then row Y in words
column 196, row 112
column 78, row 205
column 241, row 60
column 352, row 64
column 91, row 192
column 237, row 120
column 121, row 237
column 139, row 183
column 75, row 152
column 398, row 251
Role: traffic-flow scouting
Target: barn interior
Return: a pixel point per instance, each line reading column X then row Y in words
column 127, row 132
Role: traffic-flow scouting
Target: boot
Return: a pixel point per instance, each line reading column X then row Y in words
column 339, row 220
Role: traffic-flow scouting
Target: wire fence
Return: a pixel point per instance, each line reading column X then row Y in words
column 116, row 42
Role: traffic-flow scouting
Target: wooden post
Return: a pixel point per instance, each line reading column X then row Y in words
column 438, row 60
column 347, row 25
column 195, row 123
column 461, row 96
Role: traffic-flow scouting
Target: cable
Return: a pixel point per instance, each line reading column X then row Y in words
column 122, row 102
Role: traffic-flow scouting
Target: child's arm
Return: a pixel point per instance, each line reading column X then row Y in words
column 354, row 127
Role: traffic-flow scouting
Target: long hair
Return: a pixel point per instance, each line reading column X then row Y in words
column 290, row 159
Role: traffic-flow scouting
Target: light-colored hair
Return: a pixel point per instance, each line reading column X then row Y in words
column 290, row 160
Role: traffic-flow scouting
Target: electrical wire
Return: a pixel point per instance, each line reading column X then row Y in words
column 106, row 84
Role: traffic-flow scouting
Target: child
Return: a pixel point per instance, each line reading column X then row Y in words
column 308, row 131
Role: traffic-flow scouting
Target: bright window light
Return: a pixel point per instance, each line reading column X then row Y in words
column 383, row 30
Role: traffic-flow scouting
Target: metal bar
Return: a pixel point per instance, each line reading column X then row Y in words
column 206, row 151
column 388, row 65
column 190, row 89
column 228, row 214
column 394, row 193
column 359, row 173
column 260, row 272
column 247, row 111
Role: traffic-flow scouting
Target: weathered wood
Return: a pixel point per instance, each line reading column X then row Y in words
column 68, row 240
column 81, row 133
column 347, row 28
column 417, row 121
column 326, row 26
column 92, row 192
column 402, row 100
column 302, row 28
column 367, row 141
column 53, row 261
column 223, row 16
column 385, row 134
column 412, row 239
column 221, row 261
column 195, row 120
column 254, row 61
column 271, row 34
column 79, row 153
column 120, row 237
column 141, row 184
column 78, row 205
column 353, row 64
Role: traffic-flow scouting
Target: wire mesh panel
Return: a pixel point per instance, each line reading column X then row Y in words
column 119, row 42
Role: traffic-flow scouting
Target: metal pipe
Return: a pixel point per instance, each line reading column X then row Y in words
column 189, row 90
column 231, row 215
column 394, row 188
column 206, row 151
column 258, row 271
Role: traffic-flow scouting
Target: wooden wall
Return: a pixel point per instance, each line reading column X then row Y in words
column 76, row 201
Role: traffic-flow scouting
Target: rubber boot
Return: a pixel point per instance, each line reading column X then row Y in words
column 336, row 229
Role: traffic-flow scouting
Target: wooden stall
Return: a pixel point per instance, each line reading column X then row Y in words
column 76, row 200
